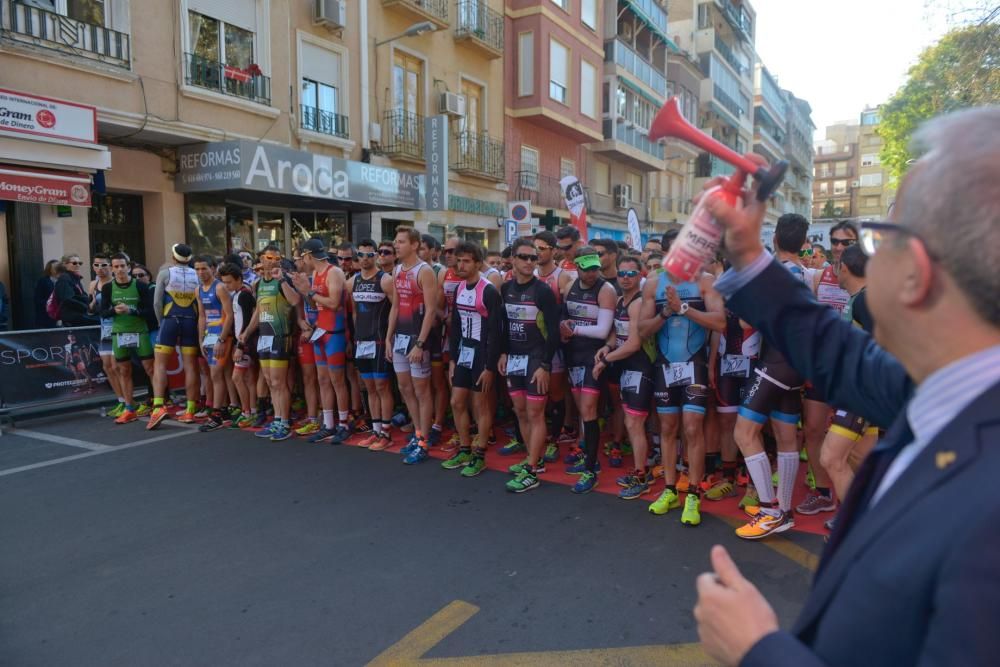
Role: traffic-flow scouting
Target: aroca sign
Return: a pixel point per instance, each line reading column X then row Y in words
column 248, row 165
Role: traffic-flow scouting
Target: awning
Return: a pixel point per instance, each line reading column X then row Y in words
column 42, row 186
column 641, row 14
column 640, row 92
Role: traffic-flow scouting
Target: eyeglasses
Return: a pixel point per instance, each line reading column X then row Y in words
column 844, row 242
column 274, row 258
column 602, row 253
column 97, row 265
column 366, row 255
column 543, row 248
column 628, row 274
column 448, row 251
column 76, row 263
column 525, row 257
column 346, row 259
column 806, row 253
column 873, row 234
column 140, row 275
column 385, row 252
column 565, row 248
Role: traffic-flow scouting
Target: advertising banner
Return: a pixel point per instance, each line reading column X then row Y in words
column 634, row 234
column 46, row 118
column 50, row 365
column 38, row 186
column 436, row 155
column 576, row 203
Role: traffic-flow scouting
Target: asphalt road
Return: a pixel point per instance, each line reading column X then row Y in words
column 222, row 549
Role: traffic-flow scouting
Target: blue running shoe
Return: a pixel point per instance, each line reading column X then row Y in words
column 512, row 447
column 281, row 432
column 580, row 467
column 574, row 455
column 586, row 483
column 410, row 445
column 266, row 432
column 418, row 455
column 340, row 434
column 434, row 438
column 322, row 435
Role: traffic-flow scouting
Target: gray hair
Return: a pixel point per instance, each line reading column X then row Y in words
column 952, row 200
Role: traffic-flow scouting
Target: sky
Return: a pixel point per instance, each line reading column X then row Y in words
column 841, row 56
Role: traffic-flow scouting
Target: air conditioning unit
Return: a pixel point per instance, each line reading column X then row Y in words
column 330, row 13
column 375, row 133
column 452, row 104
column 622, row 195
column 855, row 184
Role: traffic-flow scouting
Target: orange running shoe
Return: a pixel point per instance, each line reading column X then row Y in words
column 159, row 414
column 766, row 523
column 187, row 418
column 126, row 416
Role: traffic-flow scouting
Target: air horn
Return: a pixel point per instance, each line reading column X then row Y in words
column 699, row 239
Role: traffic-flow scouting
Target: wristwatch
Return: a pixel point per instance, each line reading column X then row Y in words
column 685, row 307
column 420, row 344
column 545, row 366
column 311, row 294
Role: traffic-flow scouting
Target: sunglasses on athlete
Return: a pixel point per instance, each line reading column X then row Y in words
column 366, row 255
column 565, row 248
column 844, row 242
column 628, row 274
column 385, row 252
column 525, row 257
column 100, row 266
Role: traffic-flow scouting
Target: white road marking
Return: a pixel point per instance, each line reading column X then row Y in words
column 106, row 450
column 60, row 440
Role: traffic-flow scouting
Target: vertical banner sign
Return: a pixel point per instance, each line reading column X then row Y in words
column 436, row 155
column 634, row 235
column 576, row 203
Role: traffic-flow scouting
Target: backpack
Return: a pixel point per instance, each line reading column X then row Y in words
column 52, row 307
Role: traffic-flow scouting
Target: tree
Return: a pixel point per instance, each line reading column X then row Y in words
column 829, row 210
column 960, row 71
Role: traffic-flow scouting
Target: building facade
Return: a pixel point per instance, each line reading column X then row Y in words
column 798, row 187
column 835, row 168
column 874, row 194
column 770, row 122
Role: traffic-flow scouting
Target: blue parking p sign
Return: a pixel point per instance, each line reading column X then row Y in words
column 511, row 231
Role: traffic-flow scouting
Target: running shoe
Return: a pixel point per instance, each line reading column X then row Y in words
column 234, row 413
column 513, row 446
column 384, row 442
column 750, row 498
column 340, row 434
column 475, row 466
column 626, row 481
column 418, row 455
column 803, row 455
column 551, row 453
column 260, row 420
column 452, row 444
column 361, row 425
column 586, row 483
column 187, row 418
column 116, row 411
column 767, row 522
column 369, row 441
column 267, row 431
column 816, row 503
column 434, row 438
column 311, row 426
column 518, row 468
column 667, row 501
column 524, row 481
column 459, row 460
column 410, row 445
column 609, row 445
column 691, row 516
column 322, row 435
column 281, row 432
column 720, row 490
column 830, row 523
column 580, row 467
column 742, row 479
column 126, row 416
column 683, row 483
column 615, row 458
column 574, row 455
column 214, row 423
column 568, row 435
column 143, row 410
column 245, row 421
column 638, row 488
column 204, row 413
column 656, row 472
column 157, row 416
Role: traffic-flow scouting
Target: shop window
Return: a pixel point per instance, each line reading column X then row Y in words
column 115, row 225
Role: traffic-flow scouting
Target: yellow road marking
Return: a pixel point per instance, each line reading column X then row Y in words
column 411, row 649
column 786, row 548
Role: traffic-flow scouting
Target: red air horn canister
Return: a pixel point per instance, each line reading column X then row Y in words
column 699, row 239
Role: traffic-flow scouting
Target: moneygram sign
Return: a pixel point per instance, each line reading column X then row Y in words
column 247, row 165
column 44, row 187
column 43, row 117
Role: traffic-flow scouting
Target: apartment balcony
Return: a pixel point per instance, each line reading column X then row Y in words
column 435, row 11
column 617, row 51
column 247, row 84
column 655, row 18
column 630, row 144
column 738, row 19
column 402, row 135
column 324, row 122
column 22, row 23
column 478, row 154
column 668, row 208
column 729, row 56
column 542, row 191
column 771, row 145
column 480, row 26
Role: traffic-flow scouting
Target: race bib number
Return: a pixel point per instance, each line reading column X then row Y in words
column 736, row 365
column 128, row 340
column 401, row 344
column 365, row 349
column 680, row 374
column 517, row 365
column 106, row 330
column 630, row 381
column 210, row 340
column 466, row 356
column 264, row 343
column 317, row 334
column 576, row 374
column 621, row 328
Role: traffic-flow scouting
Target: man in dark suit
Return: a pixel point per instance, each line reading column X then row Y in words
column 911, row 574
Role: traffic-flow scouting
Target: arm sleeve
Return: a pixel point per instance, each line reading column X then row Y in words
column 107, row 308
column 853, row 371
column 161, row 290
column 780, row 649
column 454, row 334
column 494, row 326
column 605, row 318
column 550, row 311
column 862, row 315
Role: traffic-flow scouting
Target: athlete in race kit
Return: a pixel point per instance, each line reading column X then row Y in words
column 176, row 305
column 589, row 313
column 276, row 299
column 430, row 249
column 127, row 302
column 215, row 331
column 102, row 271
column 474, row 344
column 628, row 360
column 372, row 294
column 410, row 322
column 531, row 327
column 306, row 315
column 244, row 369
column 680, row 316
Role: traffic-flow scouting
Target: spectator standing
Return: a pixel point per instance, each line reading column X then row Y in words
column 73, row 300
column 43, row 289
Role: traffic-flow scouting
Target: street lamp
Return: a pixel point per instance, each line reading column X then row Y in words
column 414, row 30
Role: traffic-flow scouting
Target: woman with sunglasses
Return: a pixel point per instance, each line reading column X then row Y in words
column 43, row 290
column 74, row 303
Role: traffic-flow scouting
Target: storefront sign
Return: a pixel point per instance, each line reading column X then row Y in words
column 50, row 365
column 436, row 155
column 38, row 186
column 490, row 209
column 21, row 113
column 247, row 165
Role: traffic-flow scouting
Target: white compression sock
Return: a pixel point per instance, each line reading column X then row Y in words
column 788, row 468
column 328, row 419
column 759, row 468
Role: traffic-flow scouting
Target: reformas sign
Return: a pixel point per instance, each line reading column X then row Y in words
column 247, row 165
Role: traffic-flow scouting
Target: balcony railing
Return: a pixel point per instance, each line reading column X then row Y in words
column 633, row 137
column 709, row 166
column 618, row 51
column 480, row 24
column 728, row 103
column 226, row 79
column 651, row 11
column 325, row 122
column 540, row 190
column 434, row 10
column 479, row 154
column 403, row 135
column 738, row 18
column 729, row 56
column 30, row 25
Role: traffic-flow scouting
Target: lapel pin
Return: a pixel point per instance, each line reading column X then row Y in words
column 944, row 459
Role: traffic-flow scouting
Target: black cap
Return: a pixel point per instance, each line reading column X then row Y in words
column 315, row 248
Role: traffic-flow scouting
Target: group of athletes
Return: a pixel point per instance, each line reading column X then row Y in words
column 573, row 338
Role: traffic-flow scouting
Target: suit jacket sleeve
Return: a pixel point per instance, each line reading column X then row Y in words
column 780, row 649
column 853, row 371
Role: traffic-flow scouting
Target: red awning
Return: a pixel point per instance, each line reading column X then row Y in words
column 43, row 186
